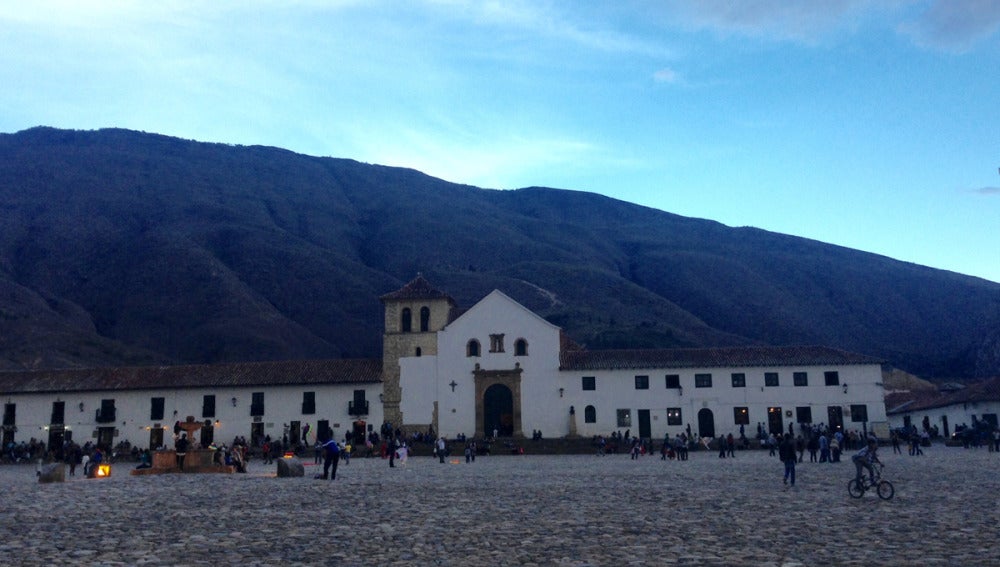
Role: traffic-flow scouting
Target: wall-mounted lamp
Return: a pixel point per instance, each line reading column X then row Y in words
column 381, row 397
column 845, row 388
column 234, row 402
column 680, row 390
column 81, row 406
column 216, row 423
column 561, row 390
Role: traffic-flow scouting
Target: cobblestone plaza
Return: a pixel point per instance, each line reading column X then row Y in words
column 514, row 510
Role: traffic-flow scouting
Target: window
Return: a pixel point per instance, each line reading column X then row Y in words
column 702, row 380
column 257, row 403
column 800, row 379
column 425, row 319
column 156, row 408
column 472, row 348
column 589, row 414
column 308, row 403
column 208, row 406
column 673, row 381
column 496, row 343
column 520, row 347
column 739, row 380
column 624, row 418
column 642, row 382
column 804, row 414
column 406, row 321
column 674, row 416
column 832, row 378
column 10, row 414
column 859, row 413
column 741, row 416
column 589, row 383
column 107, row 412
column 771, row 379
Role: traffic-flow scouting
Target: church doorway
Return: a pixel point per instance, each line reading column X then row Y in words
column 498, row 410
column 706, row 423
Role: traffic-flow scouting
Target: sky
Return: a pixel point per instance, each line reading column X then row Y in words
column 870, row 124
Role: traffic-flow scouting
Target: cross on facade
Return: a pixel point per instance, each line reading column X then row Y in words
column 453, row 384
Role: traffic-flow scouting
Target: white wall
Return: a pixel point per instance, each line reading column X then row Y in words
column 616, row 390
column 282, row 404
column 957, row 414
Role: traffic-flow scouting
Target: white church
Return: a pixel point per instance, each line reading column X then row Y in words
column 497, row 367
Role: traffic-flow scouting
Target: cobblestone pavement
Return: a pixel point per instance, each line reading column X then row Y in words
column 514, row 510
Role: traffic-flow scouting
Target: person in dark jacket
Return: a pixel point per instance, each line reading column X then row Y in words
column 786, row 452
column 331, row 456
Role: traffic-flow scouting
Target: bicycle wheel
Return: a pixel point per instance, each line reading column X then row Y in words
column 855, row 489
column 886, row 490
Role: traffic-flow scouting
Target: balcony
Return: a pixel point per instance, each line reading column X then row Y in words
column 105, row 415
column 357, row 407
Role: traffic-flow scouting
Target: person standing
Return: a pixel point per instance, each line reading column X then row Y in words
column 441, row 449
column 391, row 447
column 331, row 456
column 786, row 452
column 181, row 447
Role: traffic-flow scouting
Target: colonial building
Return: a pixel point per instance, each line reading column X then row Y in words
column 501, row 368
column 945, row 411
column 497, row 367
column 142, row 405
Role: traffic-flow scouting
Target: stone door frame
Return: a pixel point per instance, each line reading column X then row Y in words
column 511, row 378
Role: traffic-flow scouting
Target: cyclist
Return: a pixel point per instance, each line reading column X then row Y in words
column 865, row 457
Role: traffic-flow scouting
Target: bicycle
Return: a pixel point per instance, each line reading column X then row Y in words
column 883, row 488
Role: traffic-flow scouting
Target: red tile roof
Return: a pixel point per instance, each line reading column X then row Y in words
column 419, row 288
column 710, row 357
column 903, row 402
column 296, row 372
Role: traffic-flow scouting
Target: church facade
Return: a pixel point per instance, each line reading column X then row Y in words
column 500, row 368
column 497, row 368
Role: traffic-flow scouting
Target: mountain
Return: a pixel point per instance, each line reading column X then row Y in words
column 120, row 247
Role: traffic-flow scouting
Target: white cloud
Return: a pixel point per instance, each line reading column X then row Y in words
column 988, row 190
column 954, row 25
column 767, row 19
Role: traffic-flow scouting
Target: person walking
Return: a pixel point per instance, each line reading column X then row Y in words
column 786, row 452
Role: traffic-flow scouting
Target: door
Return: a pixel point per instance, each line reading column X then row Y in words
column 644, row 430
column 835, row 418
column 358, row 433
column 256, row 433
column 775, row 423
column 498, row 410
column 323, row 433
column 56, row 439
column 944, row 424
column 155, row 438
column 106, row 437
column 706, row 423
column 207, row 435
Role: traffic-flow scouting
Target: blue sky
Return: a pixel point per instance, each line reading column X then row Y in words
column 868, row 124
